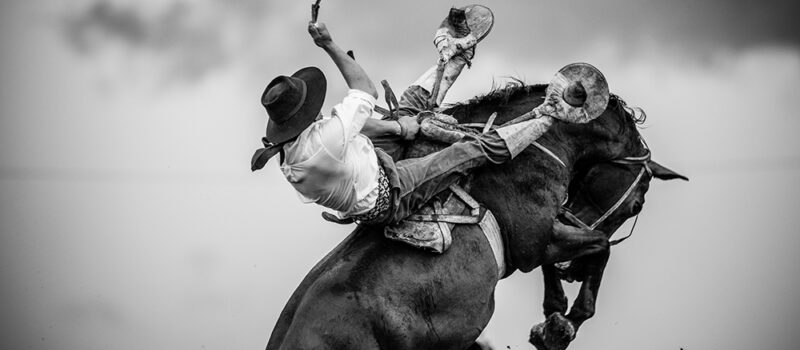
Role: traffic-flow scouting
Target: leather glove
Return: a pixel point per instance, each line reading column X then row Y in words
column 409, row 127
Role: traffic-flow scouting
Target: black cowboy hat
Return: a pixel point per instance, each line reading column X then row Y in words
column 293, row 103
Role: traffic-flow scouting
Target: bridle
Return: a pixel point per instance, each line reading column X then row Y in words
column 642, row 161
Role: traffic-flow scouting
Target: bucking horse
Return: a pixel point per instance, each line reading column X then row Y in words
column 373, row 293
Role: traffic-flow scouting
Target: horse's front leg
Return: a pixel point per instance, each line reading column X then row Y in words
column 592, row 271
column 556, row 329
column 554, row 298
column 570, row 243
column 567, row 243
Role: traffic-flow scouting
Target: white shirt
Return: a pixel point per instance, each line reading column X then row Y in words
column 331, row 163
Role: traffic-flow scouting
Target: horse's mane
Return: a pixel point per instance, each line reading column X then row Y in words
column 501, row 95
column 636, row 113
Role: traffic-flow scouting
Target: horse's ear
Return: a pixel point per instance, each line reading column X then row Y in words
column 664, row 173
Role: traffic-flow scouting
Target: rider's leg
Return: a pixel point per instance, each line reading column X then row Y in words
column 422, row 178
column 456, row 45
column 416, row 98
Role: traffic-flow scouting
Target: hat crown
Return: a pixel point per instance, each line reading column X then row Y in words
column 283, row 97
column 292, row 103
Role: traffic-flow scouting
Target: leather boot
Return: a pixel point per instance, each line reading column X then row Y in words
column 452, row 70
column 453, row 36
column 440, row 127
column 520, row 135
column 455, row 40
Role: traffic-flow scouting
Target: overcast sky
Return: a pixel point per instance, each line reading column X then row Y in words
column 129, row 218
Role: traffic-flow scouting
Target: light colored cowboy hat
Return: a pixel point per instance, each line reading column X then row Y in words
column 578, row 93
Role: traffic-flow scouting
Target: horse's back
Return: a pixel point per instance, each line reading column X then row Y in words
column 374, row 293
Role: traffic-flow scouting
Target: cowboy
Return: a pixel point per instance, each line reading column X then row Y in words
column 330, row 161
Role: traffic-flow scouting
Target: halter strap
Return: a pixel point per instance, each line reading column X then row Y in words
column 637, row 160
column 618, row 241
column 620, row 201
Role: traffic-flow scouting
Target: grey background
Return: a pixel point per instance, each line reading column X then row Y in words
column 129, row 218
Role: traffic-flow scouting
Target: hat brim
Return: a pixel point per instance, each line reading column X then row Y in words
column 316, row 85
column 597, row 94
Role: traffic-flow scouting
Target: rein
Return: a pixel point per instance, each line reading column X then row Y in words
column 490, row 125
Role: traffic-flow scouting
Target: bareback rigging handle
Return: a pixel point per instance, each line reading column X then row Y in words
column 315, row 11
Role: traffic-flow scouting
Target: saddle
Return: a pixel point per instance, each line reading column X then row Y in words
column 430, row 229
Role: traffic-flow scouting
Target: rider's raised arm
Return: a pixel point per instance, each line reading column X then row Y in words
column 354, row 75
column 406, row 127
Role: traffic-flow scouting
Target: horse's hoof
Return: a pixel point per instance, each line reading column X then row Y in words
column 553, row 334
column 537, row 337
column 558, row 332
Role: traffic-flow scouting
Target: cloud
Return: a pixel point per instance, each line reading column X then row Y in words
column 737, row 24
column 695, row 28
column 188, row 46
column 192, row 39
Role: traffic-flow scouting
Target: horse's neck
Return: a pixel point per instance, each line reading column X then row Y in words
column 526, row 193
column 525, row 196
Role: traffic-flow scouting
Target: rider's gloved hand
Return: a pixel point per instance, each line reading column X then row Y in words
column 409, row 127
column 319, row 32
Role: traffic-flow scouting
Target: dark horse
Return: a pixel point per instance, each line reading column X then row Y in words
column 370, row 292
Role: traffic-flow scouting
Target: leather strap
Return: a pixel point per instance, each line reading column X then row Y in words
column 391, row 99
column 448, row 218
column 336, row 220
column 476, row 211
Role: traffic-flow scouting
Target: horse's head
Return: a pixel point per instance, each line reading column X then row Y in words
column 613, row 135
column 607, row 194
column 528, row 192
